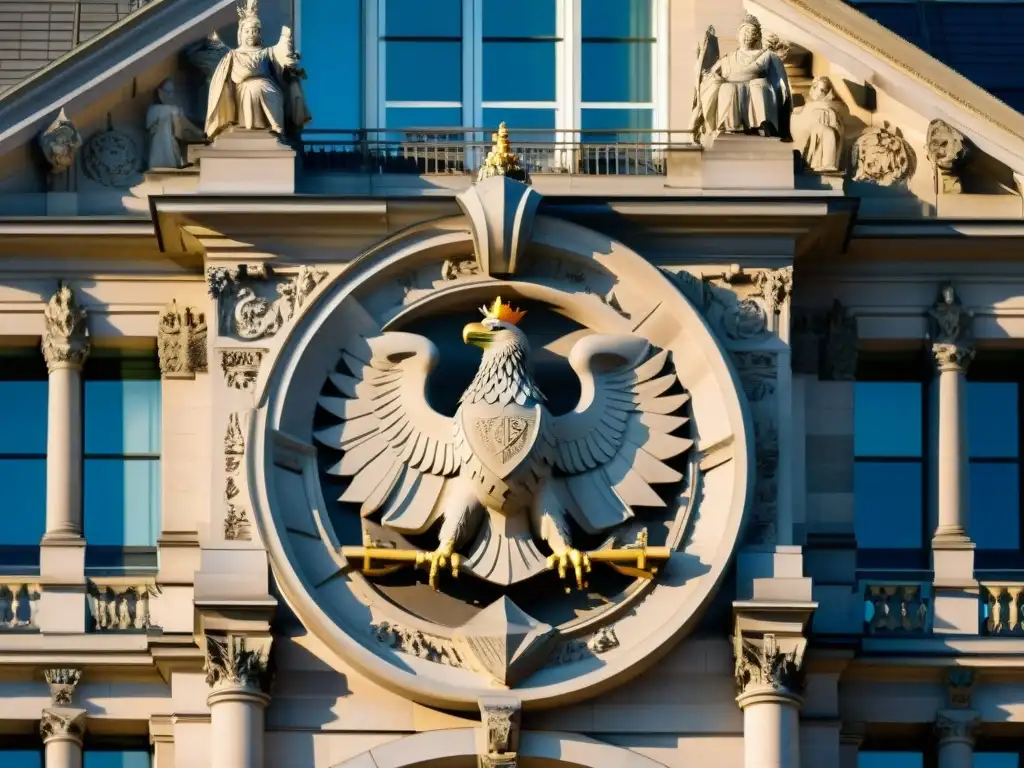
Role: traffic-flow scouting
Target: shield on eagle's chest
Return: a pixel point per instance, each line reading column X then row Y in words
column 501, row 436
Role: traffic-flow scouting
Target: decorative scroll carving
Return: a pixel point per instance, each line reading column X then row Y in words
column 947, row 149
column 959, row 686
column 60, row 143
column 950, row 332
column 120, row 607
column 881, row 155
column 239, row 661
column 602, row 641
column 181, row 342
column 19, row 603
column 62, row 682
column 762, row 664
column 418, row 644
column 241, row 367
column 759, row 375
column 500, row 716
column 112, row 158
column 236, row 521
column 66, row 337
column 62, row 723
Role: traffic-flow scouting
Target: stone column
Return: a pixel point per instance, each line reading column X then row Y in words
column 956, row 592
column 62, row 726
column 770, row 683
column 65, row 347
column 954, row 729
column 237, row 673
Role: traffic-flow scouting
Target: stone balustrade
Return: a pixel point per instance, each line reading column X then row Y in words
column 19, row 601
column 897, row 608
column 120, row 604
column 1001, row 604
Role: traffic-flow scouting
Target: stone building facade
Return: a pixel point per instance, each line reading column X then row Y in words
column 282, row 485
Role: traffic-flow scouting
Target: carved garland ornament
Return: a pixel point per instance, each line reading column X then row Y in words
column 66, row 337
column 181, row 341
column 236, row 521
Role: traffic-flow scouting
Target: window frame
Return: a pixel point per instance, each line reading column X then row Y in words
column 567, row 105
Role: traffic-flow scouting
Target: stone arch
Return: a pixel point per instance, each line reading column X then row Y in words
column 455, row 747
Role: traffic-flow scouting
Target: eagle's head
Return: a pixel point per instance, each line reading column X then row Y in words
column 505, row 373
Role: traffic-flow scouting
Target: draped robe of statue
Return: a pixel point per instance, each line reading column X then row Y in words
column 255, row 87
column 744, row 90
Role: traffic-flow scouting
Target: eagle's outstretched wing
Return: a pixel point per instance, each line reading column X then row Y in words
column 614, row 445
column 397, row 449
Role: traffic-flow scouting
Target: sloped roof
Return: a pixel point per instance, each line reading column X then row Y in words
column 980, row 40
column 34, row 33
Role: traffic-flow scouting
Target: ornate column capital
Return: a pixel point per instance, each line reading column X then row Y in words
column 62, row 682
column 66, row 337
column 765, row 668
column 956, row 726
column 62, row 724
column 950, row 332
column 238, row 664
column 959, row 687
column 181, row 342
column 500, row 716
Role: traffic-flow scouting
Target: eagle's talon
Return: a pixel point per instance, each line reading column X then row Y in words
column 579, row 561
column 440, row 558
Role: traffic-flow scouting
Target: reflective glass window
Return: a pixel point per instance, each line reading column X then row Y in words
column 617, row 19
column 332, row 41
column 415, row 18
column 526, row 125
column 21, row 758
column 610, row 125
column 533, row 65
column 992, row 421
column 995, row 760
column 24, row 393
column 617, row 71
column 129, row 758
column 995, row 505
column 888, row 504
column 890, row 760
column 121, row 491
column 424, row 70
column 887, row 419
column 525, row 18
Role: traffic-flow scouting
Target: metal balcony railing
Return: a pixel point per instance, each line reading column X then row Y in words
column 35, row 32
column 461, row 151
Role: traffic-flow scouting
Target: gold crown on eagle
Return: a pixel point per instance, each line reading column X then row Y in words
column 503, row 312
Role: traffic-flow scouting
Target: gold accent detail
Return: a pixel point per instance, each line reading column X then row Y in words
column 503, row 312
column 501, row 160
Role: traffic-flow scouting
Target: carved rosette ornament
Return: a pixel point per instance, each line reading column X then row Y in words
column 66, row 337
column 236, row 661
column 181, row 342
column 62, row 724
column 761, row 665
column 882, row 156
column 947, row 149
column 62, row 682
column 950, row 332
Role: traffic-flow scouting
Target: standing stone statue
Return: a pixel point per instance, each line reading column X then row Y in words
column 746, row 91
column 256, row 87
column 168, row 127
column 823, row 146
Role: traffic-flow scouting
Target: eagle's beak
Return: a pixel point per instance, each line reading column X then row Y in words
column 477, row 335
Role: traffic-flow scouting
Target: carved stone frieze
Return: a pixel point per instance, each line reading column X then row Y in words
column 761, row 663
column 882, row 156
column 62, row 682
column 415, row 643
column 254, row 316
column 181, row 342
column 241, row 367
column 500, row 716
column 947, row 149
column 236, row 520
column 950, row 330
column 602, row 641
column 758, row 373
column 66, row 336
column 238, row 661
column 62, row 723
column 60, row 143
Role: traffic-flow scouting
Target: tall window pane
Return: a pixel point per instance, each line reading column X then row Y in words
column 617, row 71
column 24, row 393
column 121, row 499
column 888, row 471
column 415, row 18
column 618, row 18
column 526, row 18
column 21, row 758
column 519, row 70
column 995, row 760
column 332, row 42
column 992, row 419
column 890, row 760
column 428, row 70
column 117, row 759
column 993, row 444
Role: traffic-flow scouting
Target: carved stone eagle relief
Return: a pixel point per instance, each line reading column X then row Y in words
column 502, row 478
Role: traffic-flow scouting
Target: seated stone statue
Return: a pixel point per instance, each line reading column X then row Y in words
column 822, row 128
column 256, row 87
column 746, row 91
column 168, row 127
